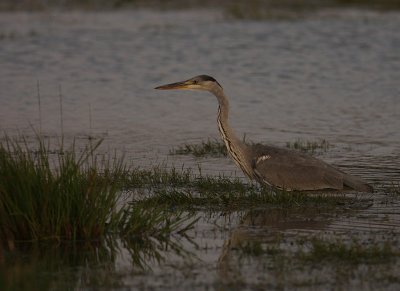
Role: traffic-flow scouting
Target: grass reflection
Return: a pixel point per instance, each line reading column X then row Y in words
column 72, row 266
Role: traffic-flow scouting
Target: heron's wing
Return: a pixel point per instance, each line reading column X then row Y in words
column 291, row 170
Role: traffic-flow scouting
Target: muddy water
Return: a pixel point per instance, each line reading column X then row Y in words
column 332, row 76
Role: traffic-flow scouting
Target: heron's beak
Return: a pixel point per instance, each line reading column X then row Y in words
column 176, row 86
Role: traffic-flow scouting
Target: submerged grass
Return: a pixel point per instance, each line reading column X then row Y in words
column 353, row 252
column 257, row 248
column 68, row 196
column 159, row 178
column 223, row 199
column 321, row 250
column 394, row 189
column 210, row 147
column 62, row 195
column 217, row 148
column 309, row 146
column 184, row 189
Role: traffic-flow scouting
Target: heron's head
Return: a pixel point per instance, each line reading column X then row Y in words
column 202, row 82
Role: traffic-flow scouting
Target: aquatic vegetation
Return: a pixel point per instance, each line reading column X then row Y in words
column 394, row 189
column 161, row 177
column 258, row 248
column 318, row 250
column 210, row 147
column 62, row 195
column 185, row 189
column 78, row 197
column 322, row 250
column 292, row 9
column 321, row 260
column 155, row 177
column 244, row 197
column 309, row 146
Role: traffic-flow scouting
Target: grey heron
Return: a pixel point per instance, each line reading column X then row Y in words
column 272, row 166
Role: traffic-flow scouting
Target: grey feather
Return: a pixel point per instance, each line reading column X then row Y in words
column 291, row 170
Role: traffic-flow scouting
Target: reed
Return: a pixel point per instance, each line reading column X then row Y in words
column 66, row 196
column 63, row 195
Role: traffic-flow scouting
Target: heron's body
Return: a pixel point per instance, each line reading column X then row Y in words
column 272, row 166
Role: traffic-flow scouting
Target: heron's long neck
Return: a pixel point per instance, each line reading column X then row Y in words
column 235, row 147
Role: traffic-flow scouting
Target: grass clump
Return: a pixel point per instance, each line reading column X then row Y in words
column 352, row 252
column 320, row 250
column 162, row 178
column 154, row 177
column 210, row 147
column 217, row 148
column 257, row 248
column 309, row 146
column 394, row 189
column 244, row 198
column 60, row 198
column 67, row 196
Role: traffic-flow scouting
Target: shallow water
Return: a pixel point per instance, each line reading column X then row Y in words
column 332, row 76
